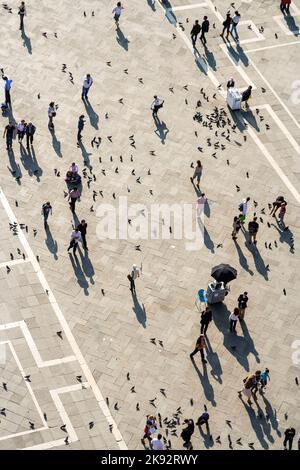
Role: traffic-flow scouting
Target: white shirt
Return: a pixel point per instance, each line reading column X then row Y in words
column 75, row 235
column 21, row 127
column 156, row 102
column 117, row 11
column 245, row 207
column 135, row 272
column 157, row 444
column 87, row 83
column 233, row 317
column 50, row 111
column 236, row 19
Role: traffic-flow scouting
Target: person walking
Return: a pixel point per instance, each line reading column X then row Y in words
column 236, row 225
column 246, row 95
column 242, row 304
column 74, row 195
column 82, row 227
column 233, row 319
column 235, row 22
column 46, row 210
column 87, row 83
column 285, row 6
column 30, row 131
column 51, row 114
column 226, row 26
column 243, row 208
column 200, row 345
column 204, row 29
column 264, row 378
column 289, row 435
column 74, row 239
column 22, row 13
column 206, row 318
column 135, row 273
column 81, row 122
column 155, row 106
column 9, row 132
column 187, row 432
column 157, row 443
column 276, row 205
column 253, row 227
column 7, row 88
column 21, row 129
column 249, row 383
column 194, row 32
column 197, row 173
column 203, row 419
column 149, row 429
column 117, row 12
column 282, row 212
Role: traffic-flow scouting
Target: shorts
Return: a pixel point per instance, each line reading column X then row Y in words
column 116, row 18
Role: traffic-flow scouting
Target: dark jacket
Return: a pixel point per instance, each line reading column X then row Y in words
column 205, row 26
column 82, row 228
column 206, row 317
column 30, row 129
column 196, row 29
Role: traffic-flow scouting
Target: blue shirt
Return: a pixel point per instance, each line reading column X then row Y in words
column 8, row 84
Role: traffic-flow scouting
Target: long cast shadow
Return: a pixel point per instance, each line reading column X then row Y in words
column 291, row 24
column 139, row 310
column 51, row 243
column 14, row 168
column 30, row 163
column 93, row 116
column 87, row 266
column 161, row 130
column 56, row 144
column 82, row 282
column 213, row 359
column 256, row 424
column 285, row 235
column 121, row 39
column 151, row 5
column 85, row 155
column 242, row 259
column 206, row 385
column 26, row 41
column 210, row 58
column 239, row 346
column 170, row 15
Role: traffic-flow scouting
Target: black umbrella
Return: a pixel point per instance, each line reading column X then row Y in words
column 224, row 273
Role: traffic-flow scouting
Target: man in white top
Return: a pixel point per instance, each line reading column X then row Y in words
column 155, row 106
column 243, row 208
column 157, row 444
column 87, row 83
column 117, row 12
column 235, row 22
column 135, row 273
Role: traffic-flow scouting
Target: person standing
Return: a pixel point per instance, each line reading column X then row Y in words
column 235, row 22
column 74, row 194
column 226, row 26
column 194, row 32
column 46, row 210
column 242, row 304
column 282, row 212
column 7, row 88
column 9, row 132
column 249, row 382
column 276, row 205
column 51, row 114
column 157, row 443
column 186, row 433
column 149, row 429
column 285, row 6
column 21, row 129
column 243, row 208
column 206, row 318
column 200, row 345
column 155, row 106
column 30, row 130
column 81, row 122
column 74, row 239
column 22, row 13
column 82, row 227
column 289, row 435
column 264, row 378
column 204, row 29
column 246, row 95
column 230, row 83
column 197, row 173
column 233, row 319
column 87, row 83
column 135, row 273
column 253, row 227
column 117, row 12
column 236, row 225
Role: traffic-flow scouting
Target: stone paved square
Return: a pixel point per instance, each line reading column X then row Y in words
column 73, row 338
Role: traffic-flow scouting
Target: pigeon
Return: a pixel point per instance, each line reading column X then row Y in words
column 91, row 424
column 27, row 378
column 138, row 247
column 137, row 407
column 2, row 412
column 31, row 425
column 5, row 386
column 64, row 428
column 102, row 292
column 79, row 378
column 263, row 90
column 284, row 291
column 45, row 35
column 286, row 416
column 8, row 269
column 276, row 36
column 16, row 203
column 133, row 389
column 116, row 407
column 237, row 188
column 251, row 445
column 126, row 71
column 110, row 427
column 108, row 63
column 161, row 343
column 45, row 417
column 59, row 333
column 228, row 422
column 163, row 392
column 153, row 340
column 192, row 402
column 128, row 376
column 171, row 89
column 296, row 380
column 66, row 440
column 107, row 401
